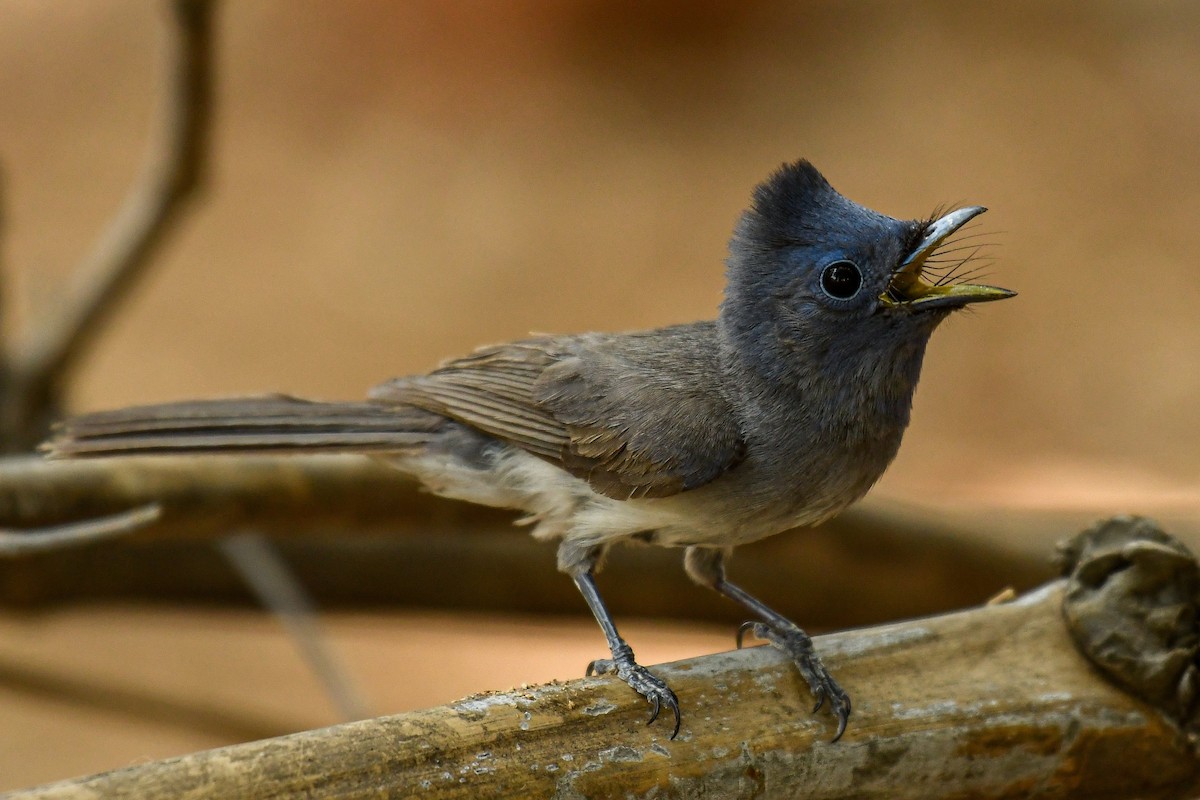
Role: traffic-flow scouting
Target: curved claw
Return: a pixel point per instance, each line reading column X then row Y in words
column 675, row 708
column 672, row 704
column 842, row 720
column 642, row 681
column 591, row 670
column 658, row 699
column 793, row 641
column 741, row 634
column 841, row 710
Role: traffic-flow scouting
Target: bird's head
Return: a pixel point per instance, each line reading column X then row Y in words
column 816, row 281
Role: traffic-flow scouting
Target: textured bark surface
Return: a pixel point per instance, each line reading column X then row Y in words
column 1133, row 607
column 995, row 701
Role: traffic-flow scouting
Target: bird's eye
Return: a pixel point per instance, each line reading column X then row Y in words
column 841, row 280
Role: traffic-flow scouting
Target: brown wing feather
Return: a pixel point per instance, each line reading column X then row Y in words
column 490, row 390
column 635, row 415
column 645, row 412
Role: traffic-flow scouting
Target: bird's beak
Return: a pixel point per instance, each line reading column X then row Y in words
column 908, row 288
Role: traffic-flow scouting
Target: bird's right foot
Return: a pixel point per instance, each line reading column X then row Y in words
column 642, row 681
column 797, row 644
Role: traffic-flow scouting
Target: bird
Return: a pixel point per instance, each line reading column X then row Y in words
column 779, row 413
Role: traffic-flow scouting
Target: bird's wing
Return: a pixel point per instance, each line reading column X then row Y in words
column 635, row 415
column 490, row 390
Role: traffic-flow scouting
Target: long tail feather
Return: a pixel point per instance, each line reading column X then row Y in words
column 272, row 423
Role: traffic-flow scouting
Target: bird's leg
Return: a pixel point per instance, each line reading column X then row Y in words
column 706, row 566
column 641, row 680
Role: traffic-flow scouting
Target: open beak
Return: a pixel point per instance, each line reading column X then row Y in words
column 907, row 286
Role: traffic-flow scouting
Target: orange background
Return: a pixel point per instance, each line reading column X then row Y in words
column 394, row 183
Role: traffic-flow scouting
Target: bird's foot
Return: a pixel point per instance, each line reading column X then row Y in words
column 797, row 644
column 642, row 681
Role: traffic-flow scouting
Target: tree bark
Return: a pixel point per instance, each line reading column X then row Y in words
column 997, row 701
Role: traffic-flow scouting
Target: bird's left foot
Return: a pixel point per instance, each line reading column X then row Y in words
column 798, row 646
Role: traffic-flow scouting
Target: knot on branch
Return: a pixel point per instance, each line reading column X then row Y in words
column 1131, row 606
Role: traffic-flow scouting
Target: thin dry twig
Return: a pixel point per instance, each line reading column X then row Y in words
column 174, row 171
column 262, row 568
column 73, row 534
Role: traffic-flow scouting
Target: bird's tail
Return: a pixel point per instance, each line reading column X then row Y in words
column 270, row 424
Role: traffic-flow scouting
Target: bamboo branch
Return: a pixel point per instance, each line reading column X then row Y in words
column 173, row 173
column 996, row 701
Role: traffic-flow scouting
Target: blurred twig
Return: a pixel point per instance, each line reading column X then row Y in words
column 37, row 368
column 260, row 566
column 3, row 222
column 33, row 374
column 71, row 534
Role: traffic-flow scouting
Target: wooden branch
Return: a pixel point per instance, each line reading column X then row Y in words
column 992, row 702
column 211, row 496
column 357, row 532
column 173, row 173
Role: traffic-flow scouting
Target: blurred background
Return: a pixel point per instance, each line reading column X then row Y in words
column 395, row 183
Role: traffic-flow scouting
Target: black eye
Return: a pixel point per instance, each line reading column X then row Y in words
column 841, row 280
